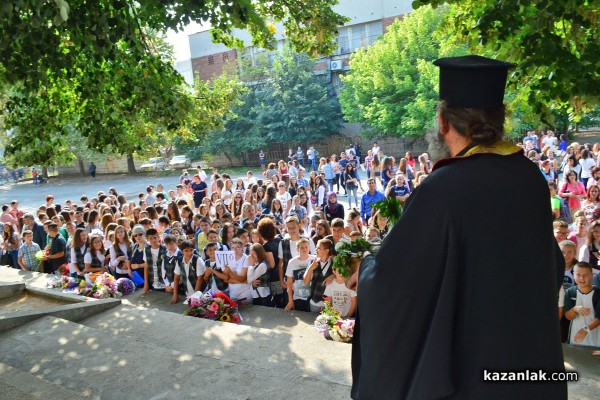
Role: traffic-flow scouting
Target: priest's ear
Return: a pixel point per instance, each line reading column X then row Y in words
column 443, row 125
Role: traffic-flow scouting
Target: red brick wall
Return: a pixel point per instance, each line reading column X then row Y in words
column 389, row 20
column 207, row 67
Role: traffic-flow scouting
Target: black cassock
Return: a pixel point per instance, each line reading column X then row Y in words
column 466, row 282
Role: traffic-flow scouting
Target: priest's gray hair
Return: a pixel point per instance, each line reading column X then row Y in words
column 481, row 126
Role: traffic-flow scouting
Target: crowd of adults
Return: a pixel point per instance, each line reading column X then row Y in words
column 283, row 225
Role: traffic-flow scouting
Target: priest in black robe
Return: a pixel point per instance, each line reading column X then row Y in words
column 466, row 283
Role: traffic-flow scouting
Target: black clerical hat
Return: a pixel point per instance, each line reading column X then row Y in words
column 472, row 81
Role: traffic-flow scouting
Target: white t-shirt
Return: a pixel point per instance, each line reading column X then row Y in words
column 87, row 258
column 284, row 198
column 254, row 272
column 294, row 249
column 586, row 164
column 295, row 270
column 550, row 141
column 240, row 291
column 340, row 296
column 113, row 258
column 376, row 150
column 73, row 262
column 176, row 270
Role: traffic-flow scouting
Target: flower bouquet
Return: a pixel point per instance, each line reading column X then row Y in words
column 332, row 326
column 104, row 286
column 216, row 306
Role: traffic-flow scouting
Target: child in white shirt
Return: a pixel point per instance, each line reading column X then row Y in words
column 340, row 297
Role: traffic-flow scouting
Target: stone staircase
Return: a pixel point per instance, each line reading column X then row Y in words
column 132, row 352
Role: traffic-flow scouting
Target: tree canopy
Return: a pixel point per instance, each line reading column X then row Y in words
column 556, row 44
column 285, row 102
column 102, row 65
column 392, row 85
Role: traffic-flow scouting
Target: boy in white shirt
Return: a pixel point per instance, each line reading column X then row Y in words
column 340, row 297
column 298, row 291
column 192, row 269
column 171, row 267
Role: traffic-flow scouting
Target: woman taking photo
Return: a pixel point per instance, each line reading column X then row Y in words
column 573, row 191
column 589, row 252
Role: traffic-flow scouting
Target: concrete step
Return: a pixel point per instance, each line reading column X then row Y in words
column 221, row 360
column 20, row 385
column 294, row 347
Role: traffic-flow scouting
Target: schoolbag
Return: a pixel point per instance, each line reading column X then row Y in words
column 565, row 211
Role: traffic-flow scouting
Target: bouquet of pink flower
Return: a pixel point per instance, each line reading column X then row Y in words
column 216, row 306
column 104, row 286
column 330, row 323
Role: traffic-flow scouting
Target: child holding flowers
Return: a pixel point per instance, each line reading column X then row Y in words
column 342, row 299
column 318, row 272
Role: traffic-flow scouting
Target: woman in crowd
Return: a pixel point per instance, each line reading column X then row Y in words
column 353, row 223
column 236, row 206
column 11, row 244
column 268, row 234
column 94, row 259
column 318, row 193
column 381, row 223
column 173, row 212
column 570, row 164
column 333, row 209
column 283, row 171
column 120, row 253
column 138, row 250
column 351, row 185
column 573, row 191
column 591, row 205
column 376, row 169
column 337, row 170
column 271, row 171
column 227, row 192
column 79, row 247
column 589, row 252
column 293, row 187
column 580, row 235
column 322, row 231
column 586, row 163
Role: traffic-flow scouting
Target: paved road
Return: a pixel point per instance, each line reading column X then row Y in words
column 64, row 188
column 30, row 197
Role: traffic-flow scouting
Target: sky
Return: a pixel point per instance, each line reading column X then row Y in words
column 179, row 40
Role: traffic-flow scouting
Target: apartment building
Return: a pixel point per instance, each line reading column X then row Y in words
column 368, row 21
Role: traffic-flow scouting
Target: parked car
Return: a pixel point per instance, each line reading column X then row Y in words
column 180, row 162
column 154, row 164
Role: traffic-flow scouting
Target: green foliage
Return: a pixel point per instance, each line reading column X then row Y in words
column 297, row 106
column 556, row 45
column 104, row 66
column 392, row 86
column 283, row 103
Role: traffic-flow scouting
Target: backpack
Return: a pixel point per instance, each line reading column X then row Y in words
column 565, row 211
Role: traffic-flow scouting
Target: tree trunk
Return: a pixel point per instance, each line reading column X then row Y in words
column 228, row 158
column 81, row 166
column 45, row 172
column 130, row 164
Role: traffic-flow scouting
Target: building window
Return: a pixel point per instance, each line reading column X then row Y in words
column 211, row 60
column 354, row 37
column 225, row 57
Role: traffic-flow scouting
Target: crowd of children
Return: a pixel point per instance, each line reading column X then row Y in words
column 282, row 229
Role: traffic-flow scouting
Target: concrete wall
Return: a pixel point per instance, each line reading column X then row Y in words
column 109, row 166
column 349, row 133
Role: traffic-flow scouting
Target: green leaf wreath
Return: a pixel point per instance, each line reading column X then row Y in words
column 390, row 208
column 346, row 251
